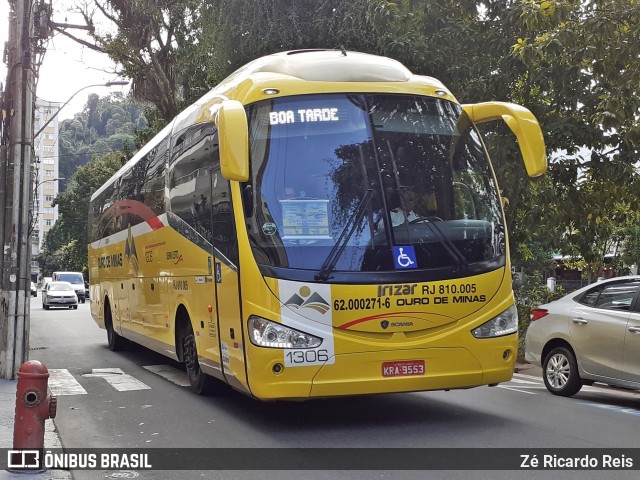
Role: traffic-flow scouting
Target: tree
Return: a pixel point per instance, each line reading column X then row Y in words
column 581, row 60
column 572, row 62
column 82, row 137
column 65, row 245
column 145, row 37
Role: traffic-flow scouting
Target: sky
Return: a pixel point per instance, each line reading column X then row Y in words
column 68, row 66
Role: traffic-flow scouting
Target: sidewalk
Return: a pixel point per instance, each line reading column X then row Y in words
column 7, row 418
column 529, row 369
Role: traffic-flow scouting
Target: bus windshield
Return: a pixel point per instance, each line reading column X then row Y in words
column 338, row 180
column 73, row 278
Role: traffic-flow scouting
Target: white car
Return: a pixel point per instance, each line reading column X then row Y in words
column 59, row 294
column 34, row 290
column 591, row 335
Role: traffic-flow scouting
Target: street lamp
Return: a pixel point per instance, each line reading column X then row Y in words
column 108, row 84
column 47, row 181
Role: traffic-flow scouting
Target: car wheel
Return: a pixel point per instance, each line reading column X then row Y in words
column 560, row 372
column 199, row 381
column 75, row 307
column 46, row 307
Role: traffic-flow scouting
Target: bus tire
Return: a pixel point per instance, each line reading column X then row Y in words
column 115, row 341
column 199, row 382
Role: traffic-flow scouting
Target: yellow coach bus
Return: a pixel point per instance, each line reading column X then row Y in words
column 321, row 223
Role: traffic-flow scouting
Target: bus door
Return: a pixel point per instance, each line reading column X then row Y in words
column 189, row 258
column 227, row 281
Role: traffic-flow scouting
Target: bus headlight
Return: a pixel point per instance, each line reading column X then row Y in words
column 504, row 324
column 265, row 333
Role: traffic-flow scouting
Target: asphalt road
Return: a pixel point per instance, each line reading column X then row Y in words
column 145, row 404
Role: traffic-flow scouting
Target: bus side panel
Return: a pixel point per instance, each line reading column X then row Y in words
column 187, row 285
column 231, row 327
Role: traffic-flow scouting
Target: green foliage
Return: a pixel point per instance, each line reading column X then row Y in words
column 629, row 238
column 105, row 125
column 574, row 64
column 65, row 245
column 529, row 295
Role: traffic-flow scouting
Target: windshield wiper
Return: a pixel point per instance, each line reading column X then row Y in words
column 448, row 245
column 335, row 253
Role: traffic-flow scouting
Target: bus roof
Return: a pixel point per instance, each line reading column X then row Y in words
column 298, row 72
column 332, row 66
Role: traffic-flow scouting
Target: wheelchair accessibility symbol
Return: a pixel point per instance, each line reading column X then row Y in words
column 404, row 257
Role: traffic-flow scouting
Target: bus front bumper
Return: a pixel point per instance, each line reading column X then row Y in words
column 394, row 371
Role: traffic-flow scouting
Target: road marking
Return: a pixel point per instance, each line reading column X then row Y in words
column 530, row 377
column 170, row 373
column 628, row 410
column 529, row 382
column 515, row 389
column 61, row 382
column 524, row 383
column 119, row 380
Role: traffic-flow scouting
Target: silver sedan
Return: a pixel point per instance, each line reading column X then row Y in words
column 591, row 335
column 59, row 294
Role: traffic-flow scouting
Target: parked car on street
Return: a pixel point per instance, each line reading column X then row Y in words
column 59, row 294
column 34, row 290
column 591, row 335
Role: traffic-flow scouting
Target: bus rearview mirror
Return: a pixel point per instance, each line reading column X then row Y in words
column 524, row 126
column 233, row 135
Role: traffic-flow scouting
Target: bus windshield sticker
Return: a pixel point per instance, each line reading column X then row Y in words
column 305, row 219
column 303, row 115
column 404, row 257
column 269, row 228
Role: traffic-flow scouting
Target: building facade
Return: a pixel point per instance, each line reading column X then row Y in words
column 46, row 176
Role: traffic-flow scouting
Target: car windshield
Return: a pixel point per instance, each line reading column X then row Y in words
column 340, row 182
column 60, row 287
column 71, row 278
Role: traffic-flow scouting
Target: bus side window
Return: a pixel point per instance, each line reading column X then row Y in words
column 224, row 232
column 190, row 178
column 153, row 189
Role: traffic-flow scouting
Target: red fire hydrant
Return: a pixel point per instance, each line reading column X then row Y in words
column 33, row 406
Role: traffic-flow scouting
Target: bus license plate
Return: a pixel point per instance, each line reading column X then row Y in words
column 403, row 369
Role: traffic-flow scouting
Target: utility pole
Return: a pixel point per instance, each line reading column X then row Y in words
column 16, row 191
